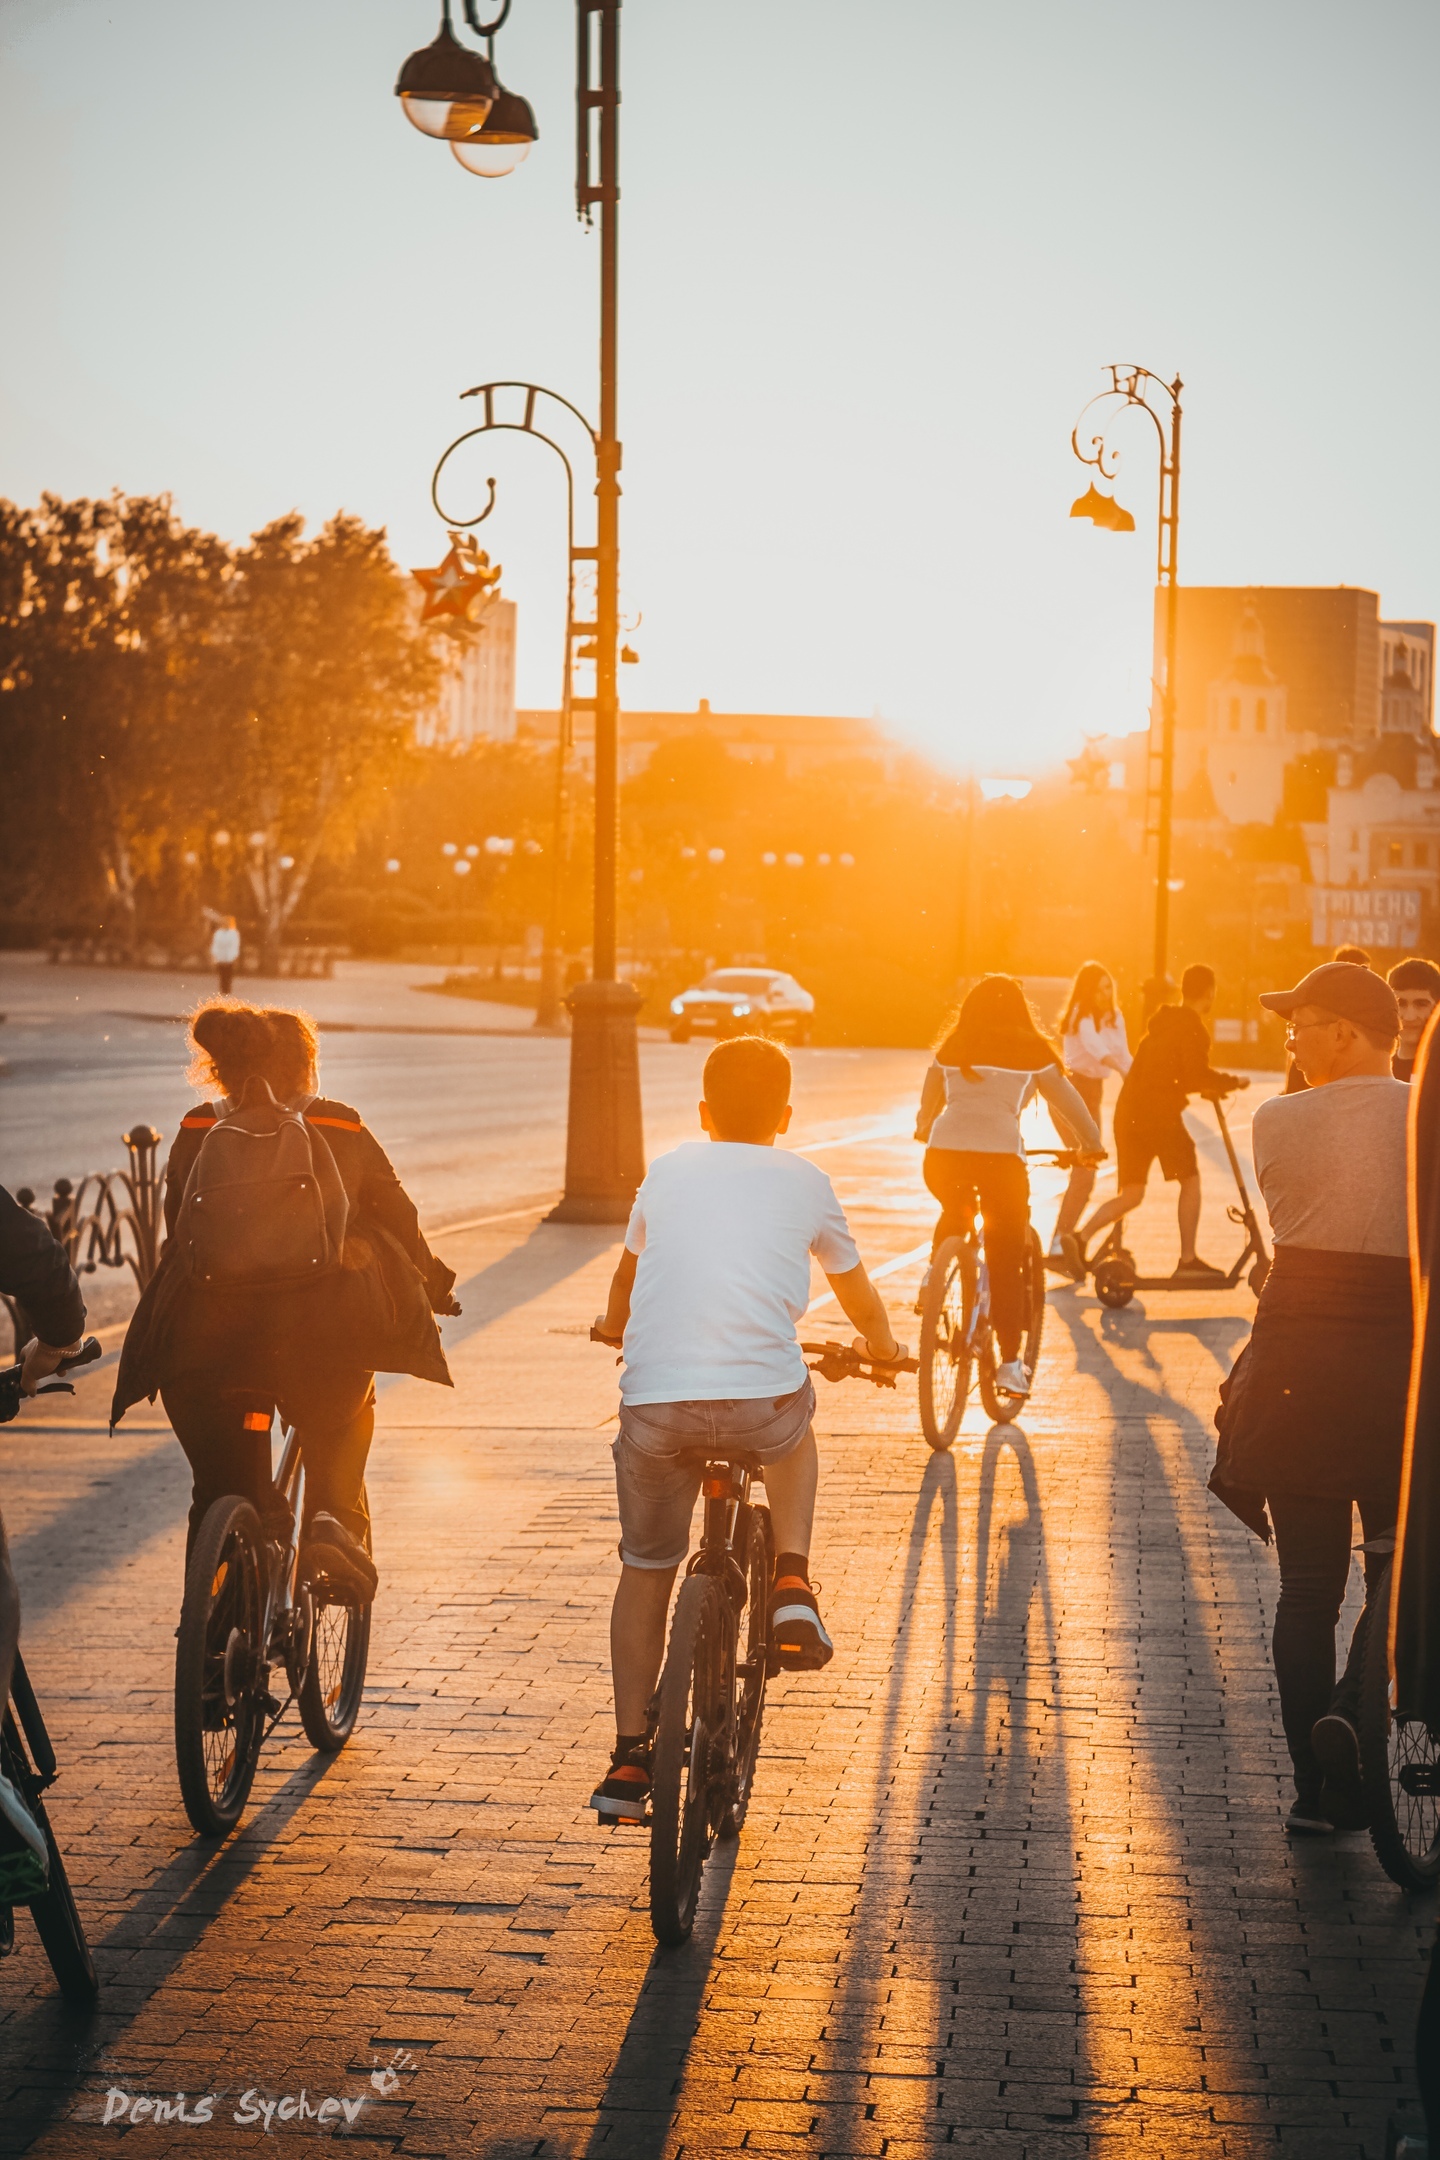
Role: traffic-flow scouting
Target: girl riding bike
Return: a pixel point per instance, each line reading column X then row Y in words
column 224, row 1357
column 990, row 1063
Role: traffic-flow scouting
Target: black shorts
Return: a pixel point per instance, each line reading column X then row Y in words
column 1138, row 1142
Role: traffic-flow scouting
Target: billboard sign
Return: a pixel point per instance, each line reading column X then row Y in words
column 1382, row 920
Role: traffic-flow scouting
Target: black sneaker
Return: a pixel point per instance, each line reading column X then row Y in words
column 1075, row 1258
column 1307, row 1817
column 1337, row 1749
column 796, row 1630
column 1198, row 1272
column 623, row 1794
column 331, row 1559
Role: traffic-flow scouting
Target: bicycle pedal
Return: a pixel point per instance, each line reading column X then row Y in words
column 271, row 1704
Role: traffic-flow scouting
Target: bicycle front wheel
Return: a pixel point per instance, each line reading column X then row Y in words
column 1400, row 1762
column 334, row 1679
column 946, row 1319
column 688, row 1750
column 756, row 1556
column 220, row 1669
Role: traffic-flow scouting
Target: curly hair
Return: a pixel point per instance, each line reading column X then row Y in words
column 995, row 1026
column 233, row 1041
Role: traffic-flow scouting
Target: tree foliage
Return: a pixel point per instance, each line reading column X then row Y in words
column 159, row 687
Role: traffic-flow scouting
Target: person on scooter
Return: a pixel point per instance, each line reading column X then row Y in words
column 1171, row 1064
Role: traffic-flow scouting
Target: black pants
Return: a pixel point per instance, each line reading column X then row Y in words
column 225, row 969
column 333, row 1410
column 1000, row 1186
column 1312, row 1538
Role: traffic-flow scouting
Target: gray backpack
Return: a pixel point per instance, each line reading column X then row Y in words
column 264, row 1207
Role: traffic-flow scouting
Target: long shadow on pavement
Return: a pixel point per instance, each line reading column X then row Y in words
column 638, row 2103
column 54, row 2056
column 1262, row 1962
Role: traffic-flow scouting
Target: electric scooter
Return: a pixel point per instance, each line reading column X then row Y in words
column 1113, row 1268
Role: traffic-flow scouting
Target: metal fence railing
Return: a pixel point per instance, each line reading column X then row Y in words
column 111, row 1218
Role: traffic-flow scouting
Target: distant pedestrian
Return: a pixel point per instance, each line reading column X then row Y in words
column 1312, row 1416
column 1353, row 956
column 225, row 951
column 1094, row 1044
column 1171, row 1064
column 1416, row 984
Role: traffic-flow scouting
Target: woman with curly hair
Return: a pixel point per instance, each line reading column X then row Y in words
column 225, row 1356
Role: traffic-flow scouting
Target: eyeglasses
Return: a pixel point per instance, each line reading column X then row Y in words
column 1298, row 1027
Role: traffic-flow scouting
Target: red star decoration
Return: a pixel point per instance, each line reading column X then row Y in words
column 463, row 576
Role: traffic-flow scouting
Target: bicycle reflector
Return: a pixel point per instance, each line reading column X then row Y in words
column 257, row 1421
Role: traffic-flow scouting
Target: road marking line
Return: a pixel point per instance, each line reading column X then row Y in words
column 480, row 1222
column 890, row 1267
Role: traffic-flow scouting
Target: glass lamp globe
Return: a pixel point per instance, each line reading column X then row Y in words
column 502, row 143
column 446, row 90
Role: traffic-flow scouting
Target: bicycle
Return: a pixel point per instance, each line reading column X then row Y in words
column 1399, row 1759
column 956, row 1336
column 27, row 1759
column 246, row 1609
column 706, row 1714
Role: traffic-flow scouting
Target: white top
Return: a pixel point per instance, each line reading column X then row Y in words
column 1091, row 1043
column 225, row 946
column 1331, row 1165
column 725, row 1232
column 982, row 1116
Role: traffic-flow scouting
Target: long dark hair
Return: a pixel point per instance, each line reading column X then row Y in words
column 1084, row 1002
column 995, row 1026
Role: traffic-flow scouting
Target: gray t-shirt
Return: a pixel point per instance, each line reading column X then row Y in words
column 1331, row 1165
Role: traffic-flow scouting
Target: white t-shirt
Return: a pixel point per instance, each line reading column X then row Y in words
column 1087, row 1048
column 1331, row 1165
column 725, row 1232
column 225, row 947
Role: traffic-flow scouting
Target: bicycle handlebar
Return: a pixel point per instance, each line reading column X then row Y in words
column 11, row 1395
column 839, row 1361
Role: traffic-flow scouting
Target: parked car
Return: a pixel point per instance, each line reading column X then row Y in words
column 744, row 1001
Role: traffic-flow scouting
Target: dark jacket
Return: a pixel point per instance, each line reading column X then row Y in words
column 1172, row 1063
column 36, row 1272
column 1315, row 1402
column 1417, row 1604
column 375, row 1312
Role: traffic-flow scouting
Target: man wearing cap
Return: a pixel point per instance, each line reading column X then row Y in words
column 1312, row 1417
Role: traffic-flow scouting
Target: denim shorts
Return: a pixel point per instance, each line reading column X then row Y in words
column 662, row 1449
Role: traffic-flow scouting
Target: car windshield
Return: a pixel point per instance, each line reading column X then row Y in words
column 738, row 983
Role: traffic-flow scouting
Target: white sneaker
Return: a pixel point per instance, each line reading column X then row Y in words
column 25, row 1866
column 1012, row 1378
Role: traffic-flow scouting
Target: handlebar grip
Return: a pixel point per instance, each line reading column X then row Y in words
column 88, row 1352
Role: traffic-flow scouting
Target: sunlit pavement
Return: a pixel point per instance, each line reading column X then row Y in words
column 1013, row 1879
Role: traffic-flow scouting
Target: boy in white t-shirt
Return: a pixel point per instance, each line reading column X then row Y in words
column 714, row 1276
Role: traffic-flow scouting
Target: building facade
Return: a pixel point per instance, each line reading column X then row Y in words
column 792, row 743
column 476, row 699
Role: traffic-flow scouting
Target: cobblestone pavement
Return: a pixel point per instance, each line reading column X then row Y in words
column 1013, row 1880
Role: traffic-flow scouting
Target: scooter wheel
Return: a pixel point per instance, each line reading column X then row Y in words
column 1114, row 1283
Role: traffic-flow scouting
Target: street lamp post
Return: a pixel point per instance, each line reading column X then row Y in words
column 1130, row 385
column 605, row 1152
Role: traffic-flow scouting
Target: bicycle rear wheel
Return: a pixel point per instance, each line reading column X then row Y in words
column 689, row 1742
column 56, row 1916
column 945, row 1349
column 752, row 1663
column 1400, row 1762
column 220, row 1670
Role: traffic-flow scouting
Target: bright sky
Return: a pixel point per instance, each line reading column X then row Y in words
column 873, row 258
